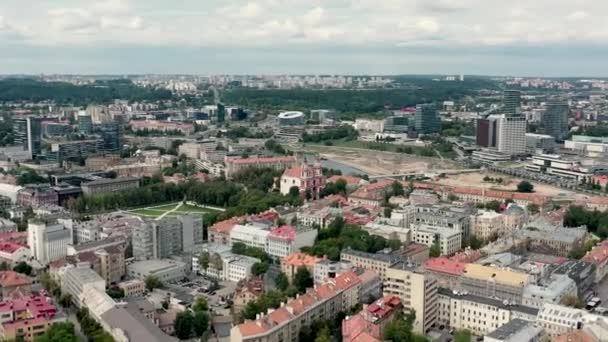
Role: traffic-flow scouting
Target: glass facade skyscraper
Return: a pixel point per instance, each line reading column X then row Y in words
column 512, row 102
column 554, row 120
column 426, row 119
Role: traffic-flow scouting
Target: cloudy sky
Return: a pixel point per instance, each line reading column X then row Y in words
column 497, row 37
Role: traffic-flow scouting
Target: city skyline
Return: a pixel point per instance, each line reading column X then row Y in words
column 542, row 38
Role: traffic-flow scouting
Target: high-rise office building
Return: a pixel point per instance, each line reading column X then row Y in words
column 85, row 123
column 221, row 112
column 167, row 237
column 512, row 102
column 111, row 133
column 426, row 119
column 28, row 133
column 511, row 134
column 554, row 120
column 486, row 132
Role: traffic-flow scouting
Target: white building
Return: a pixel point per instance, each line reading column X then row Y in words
column 252, row 235
column 166, row 270
column 558, row 319
column 449, row 240
column 558, row 165
column 516, row 330
column 75, row 279
column 487, row 224
column 223, row 264
column 559, row 287
column 327, row 269
column 511, row 134
column 237, row 267
column 48, row 242
column 13, row 253
column 376, row 126
column 285, row 240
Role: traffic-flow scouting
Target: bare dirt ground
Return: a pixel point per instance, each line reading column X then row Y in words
column 377, row 163
column 509, row 184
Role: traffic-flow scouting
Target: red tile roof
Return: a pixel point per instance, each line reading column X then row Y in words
column 12, row 279
column 300, row 259
column 445, row 265
column 350, row 180
column 9, row 247
column 598, row 254
column 294, row 172
column 284, row 232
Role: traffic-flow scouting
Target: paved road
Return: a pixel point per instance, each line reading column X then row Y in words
column 77, row 329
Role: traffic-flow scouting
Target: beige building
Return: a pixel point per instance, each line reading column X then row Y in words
column 487, row 281
column 487, row 225
column 480, row 315
column 102, row 186
column 417, row 291
column 133, row 288
column 558, row 319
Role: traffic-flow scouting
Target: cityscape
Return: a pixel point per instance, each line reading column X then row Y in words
column 284, row 171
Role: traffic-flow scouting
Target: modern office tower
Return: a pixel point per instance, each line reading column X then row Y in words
column 167, row 237
column 111, row 133
column 554, row 121
column 486, row 132
column 28, row 133
column 511, row 134
column 512, row 102
column 85, row 123
column 221, row 112
column 426, row 119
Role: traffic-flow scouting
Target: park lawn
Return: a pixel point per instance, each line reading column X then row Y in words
column 148, row 212
column 186, row 208
column 165, row 207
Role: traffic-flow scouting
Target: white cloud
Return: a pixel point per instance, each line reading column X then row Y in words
column 578, row 15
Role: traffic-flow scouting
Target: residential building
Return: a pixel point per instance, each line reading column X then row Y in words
column 167, row 237
column 252, row 235
column 327, row 269
column 426, row 119
column 558, row 319
column 166, row 270
column 487, row 225
column 307, row 178
column 552, row 290
column 103, row 186
column 516, row 330
column 12, row 282
column 25, row 318
column 445, row 216
column 37, row 196
column 486, row 132
column 234, row 165
column 582, row 272
column 133, row 287
column 490, row 281
column 378, row 262
column 599, row 257
column 223, row 264
column 542, row 235
column 448, row 240
column 371, row 285
column 370, row 322
column 285, row 240
column 75, row 279
column 371, row 194
column 291, row 263
column 13, row 253
column 284, row 323
column 478, row 314
column 48, row 241
column 111, row 261
column 389, row 230
column 247, row 290
column 417, row 291
column 554, row 120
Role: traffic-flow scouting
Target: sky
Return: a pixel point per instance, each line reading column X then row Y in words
column 484, row 37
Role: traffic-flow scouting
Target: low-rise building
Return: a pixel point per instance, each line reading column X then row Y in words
column 286, row 240
column 599, row 257
column 447, row 272
column 75, row 280
column 369, row 324
column 448, row 239
column 291, row 263
column 307, row 178
column 371, row 194
column 102, row 186
column 516, row 330
column 487, row 281
column 556, row 288
column 25, row 318
column 487, row 225
column 13, row 282
column 327, row 269
column 13, row 253
column 166, row 270
column 558, row 319
column 234, row 165
column 36, row 196
column 378, row 262
column 133, row 287
column 252, row 235
column 544, row 236
column 247, row 290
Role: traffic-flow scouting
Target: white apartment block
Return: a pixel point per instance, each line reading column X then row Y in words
column 286, row 240
column 480, row 315
column 250, row 235
column 558, row 319
column 511, row 135
column 48, row 242
column 450, row 240
column 560, row 286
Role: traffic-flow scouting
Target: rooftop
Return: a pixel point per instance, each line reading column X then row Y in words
column 445, row 265
column 499, row 303
column 300, row 259
column 284, row 232
column 12, row 279
column 499, row 275
column 516, row 330
column 110, row 181
column 10, row 247
column 350, row 180
column 260, row 160
column 155, row 265
column 598, row 255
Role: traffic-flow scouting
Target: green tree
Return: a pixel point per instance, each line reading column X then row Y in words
column 525, row 186
column 152, row 282
column 435, row 250
column 303, row 279
column 259, row 268
column 4, row 266
column 463, row 336
column 394, row 244
column 58, row 332
column 65, row 300
column 200, row 323
column 494, row 205
column 397, row 189
column 116, row 292
column 294, row 191
column 203, row 261
column 324, row 335
column 200, row 304
column 281, row 281
column 183, row 325
column 23, row 268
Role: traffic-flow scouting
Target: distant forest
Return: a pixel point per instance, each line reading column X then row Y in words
column 17, row 90
column 410, row 93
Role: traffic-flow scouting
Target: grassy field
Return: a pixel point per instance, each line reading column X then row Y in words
column 171, row 210
column 420, row 151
